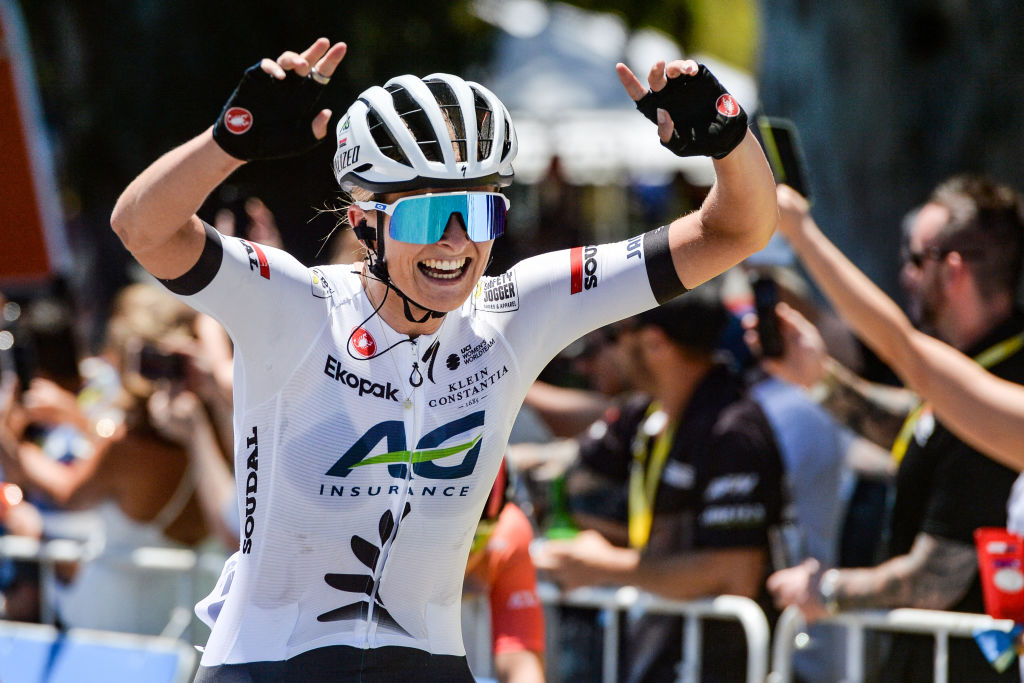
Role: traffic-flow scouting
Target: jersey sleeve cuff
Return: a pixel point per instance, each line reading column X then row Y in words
column 202, row 273
column 661, row 272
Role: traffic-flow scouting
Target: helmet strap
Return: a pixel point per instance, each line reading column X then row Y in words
column 378, row 267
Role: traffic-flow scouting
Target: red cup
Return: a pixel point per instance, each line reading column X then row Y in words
column 1001, row 565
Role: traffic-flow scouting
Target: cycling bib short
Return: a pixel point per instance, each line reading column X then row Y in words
column 361, row 472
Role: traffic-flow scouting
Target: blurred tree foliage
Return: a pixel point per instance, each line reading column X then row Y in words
column 726, row 29
column 124, row 81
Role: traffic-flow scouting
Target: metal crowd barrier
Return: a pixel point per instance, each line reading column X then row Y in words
column 789, row 636
column 185, row 563
column 610, row 601
column 39, row 652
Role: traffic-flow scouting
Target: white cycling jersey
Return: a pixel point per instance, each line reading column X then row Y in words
column 363, row 458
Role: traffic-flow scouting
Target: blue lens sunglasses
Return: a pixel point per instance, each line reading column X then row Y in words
column 422, row 218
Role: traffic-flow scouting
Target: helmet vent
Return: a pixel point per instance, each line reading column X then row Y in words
column 417, row 122
column 449, row 104
column 484, row 124
column 383, row 139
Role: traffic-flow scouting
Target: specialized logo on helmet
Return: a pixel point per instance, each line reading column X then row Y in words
column 728, row 106
column 238, row 120
column 364, row 343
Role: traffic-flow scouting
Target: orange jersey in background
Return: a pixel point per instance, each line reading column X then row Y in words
column 505, row 571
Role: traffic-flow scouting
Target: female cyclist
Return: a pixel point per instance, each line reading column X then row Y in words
column 373, row 404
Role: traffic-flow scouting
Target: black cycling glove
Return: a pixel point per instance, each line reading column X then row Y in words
column 708, row 120
column 267, row 118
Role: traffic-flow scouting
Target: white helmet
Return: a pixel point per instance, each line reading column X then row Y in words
column 439, row 131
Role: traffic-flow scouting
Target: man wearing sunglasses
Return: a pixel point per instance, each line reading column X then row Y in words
column 963, row 262
column 373, row 403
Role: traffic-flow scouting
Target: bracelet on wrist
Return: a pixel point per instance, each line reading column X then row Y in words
column 827, row 591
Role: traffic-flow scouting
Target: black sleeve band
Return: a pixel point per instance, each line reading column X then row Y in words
column 661, row 273
column 203, row 272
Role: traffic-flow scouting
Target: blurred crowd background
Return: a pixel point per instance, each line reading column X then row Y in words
column 889, row 99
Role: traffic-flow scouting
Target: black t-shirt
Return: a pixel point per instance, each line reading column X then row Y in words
column 947, row 489
column 721, row 487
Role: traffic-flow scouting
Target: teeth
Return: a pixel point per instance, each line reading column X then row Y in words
column 447, row 269
column 437, row 264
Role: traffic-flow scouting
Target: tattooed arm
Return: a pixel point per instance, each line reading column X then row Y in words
column 875, row 411
column 935, row 574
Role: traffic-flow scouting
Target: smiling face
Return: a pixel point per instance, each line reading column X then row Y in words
column 440, row 276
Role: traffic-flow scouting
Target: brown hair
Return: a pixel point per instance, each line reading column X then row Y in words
column 986, row 226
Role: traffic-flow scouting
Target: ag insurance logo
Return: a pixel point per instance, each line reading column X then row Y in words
column 385, row 444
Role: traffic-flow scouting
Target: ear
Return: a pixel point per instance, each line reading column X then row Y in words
column 355, row 215
column 652, row 338
column 363, row 230
column 957, row 271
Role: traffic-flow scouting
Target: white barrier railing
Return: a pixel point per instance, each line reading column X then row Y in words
column 612, row 600
column 941, row 625
column 185, row 563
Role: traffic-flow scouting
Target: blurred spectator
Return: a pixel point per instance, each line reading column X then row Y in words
column 260, row 224
column 500, row 567
column 823, row 461
column 139, row 478
column 700, row 478
column 962, row 267
column 560, row 219
column 604, row 358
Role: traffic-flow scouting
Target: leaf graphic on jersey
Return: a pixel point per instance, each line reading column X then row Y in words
column 387, row 523
column 369, row 554
column 350, row 583
column 386, row 526
column 365, row 552
column 361, row 610
column 357, row 610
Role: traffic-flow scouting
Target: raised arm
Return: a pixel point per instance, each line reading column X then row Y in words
column 695, row 116
column 979, row 407
column 155, row 216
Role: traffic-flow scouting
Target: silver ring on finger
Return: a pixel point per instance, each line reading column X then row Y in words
column 319, row 77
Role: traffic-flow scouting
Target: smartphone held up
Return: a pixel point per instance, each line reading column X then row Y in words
column 766, row 296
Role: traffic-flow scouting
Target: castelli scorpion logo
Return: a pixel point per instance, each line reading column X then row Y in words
column 727, row 106
column 238, row 120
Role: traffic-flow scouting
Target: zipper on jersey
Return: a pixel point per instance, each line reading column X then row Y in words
column 412, row 437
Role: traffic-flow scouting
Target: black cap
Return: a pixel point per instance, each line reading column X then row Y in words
column 694, row 320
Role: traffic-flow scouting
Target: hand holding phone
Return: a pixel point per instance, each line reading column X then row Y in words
column 766, row 295
column 785, row 154
column 156, row 364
